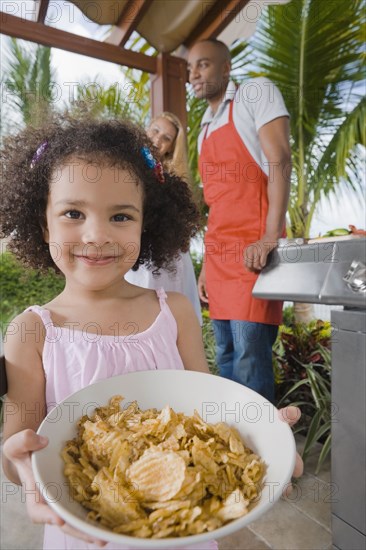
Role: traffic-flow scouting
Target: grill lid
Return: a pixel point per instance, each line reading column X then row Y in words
column 331, row 273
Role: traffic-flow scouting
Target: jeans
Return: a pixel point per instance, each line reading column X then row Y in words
column 244, row 354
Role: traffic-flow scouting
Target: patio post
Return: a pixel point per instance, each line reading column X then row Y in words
column 168, row 90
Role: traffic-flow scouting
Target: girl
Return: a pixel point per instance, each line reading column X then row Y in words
column 88, row 199
column 167, row 134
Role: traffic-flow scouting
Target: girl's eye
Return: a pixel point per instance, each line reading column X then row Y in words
column 120, row 218
column 73, row 214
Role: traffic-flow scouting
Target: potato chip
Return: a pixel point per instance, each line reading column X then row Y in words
column 113, row 501
column 158, row 474
column 234, row 506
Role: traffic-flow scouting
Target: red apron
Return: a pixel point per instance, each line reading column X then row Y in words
column 235, row 190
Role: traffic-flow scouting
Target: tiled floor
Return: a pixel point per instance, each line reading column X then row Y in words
column 299, row 522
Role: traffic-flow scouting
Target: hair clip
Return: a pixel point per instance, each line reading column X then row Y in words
column 149, row 159
column 159, row 172
column 152, row 163
column 38, row 154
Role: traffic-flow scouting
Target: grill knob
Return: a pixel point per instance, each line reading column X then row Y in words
column 355, row 277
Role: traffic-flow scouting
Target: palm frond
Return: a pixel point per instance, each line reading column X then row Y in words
column 342, row 162
column 113, row 101
column 28, row 77
column 310, row 49
column 313, row 51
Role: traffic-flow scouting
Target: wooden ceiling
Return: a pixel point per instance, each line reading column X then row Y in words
column 166, row 24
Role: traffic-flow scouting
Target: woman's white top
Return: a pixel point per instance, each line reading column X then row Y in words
column 183, row 280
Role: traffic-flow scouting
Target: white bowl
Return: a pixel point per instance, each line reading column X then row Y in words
column 216, row 399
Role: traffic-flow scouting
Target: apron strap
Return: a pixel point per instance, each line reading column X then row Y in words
column 231, row 111
column 230, row 115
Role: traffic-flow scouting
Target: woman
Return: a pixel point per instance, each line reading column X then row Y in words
column 167, row 134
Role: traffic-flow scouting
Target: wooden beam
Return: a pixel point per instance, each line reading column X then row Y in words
column 128, row 21
column 216, row 20
column 41, row 10
column 55, row 38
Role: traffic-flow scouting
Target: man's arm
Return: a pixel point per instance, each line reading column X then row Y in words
column 201, row 284
column 274, row 140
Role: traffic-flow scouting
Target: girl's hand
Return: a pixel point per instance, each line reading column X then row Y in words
column 18, row 449
column 291, row 415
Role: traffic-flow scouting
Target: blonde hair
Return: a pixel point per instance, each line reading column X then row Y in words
column 177, row 160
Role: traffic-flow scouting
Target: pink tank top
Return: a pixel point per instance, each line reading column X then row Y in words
column 74, row 358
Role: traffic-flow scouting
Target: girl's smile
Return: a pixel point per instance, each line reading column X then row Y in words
column 96, row 260
column 94, row 220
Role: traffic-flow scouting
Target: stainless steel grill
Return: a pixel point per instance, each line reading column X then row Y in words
column 331, row 273
column 334, row 273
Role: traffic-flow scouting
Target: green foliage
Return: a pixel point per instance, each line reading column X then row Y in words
column 28, row 81
column 138, row 82
column 127, row 102
column 22, row 287
column 313, row 51
column 195, row 111
column 288, row 316
column 208, row 337
column 209, row 342
column 302, row 366
column 197, row 263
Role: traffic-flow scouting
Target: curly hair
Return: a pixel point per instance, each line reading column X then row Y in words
column 170, row 216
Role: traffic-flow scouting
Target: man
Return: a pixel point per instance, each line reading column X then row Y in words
column 245, row 164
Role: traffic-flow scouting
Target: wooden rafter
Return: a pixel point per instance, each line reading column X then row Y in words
column 56, row 38
column 41, row 10
column 215, row 21
column 128, row 21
